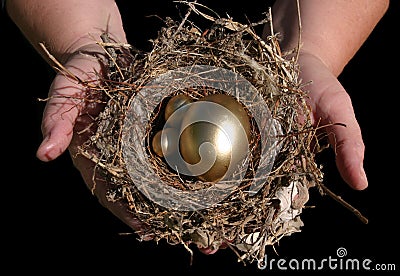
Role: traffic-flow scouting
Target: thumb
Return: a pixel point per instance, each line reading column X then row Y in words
column 65, row 103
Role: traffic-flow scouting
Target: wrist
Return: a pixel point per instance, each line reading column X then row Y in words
column 66, row 26
column 87, row 46
column 331, row 30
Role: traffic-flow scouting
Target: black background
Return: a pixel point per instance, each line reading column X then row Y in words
column 52, row 224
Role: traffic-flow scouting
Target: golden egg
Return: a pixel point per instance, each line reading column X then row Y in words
column 234, row 106
column 215, row 136
column 175, row 103
column 164, row 142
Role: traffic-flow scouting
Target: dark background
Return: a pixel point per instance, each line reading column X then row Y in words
column 51, row 222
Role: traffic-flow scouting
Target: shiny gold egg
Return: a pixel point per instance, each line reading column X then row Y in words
column 175, row 103
column 234, row 106
column 164, row 142
column 215, row 136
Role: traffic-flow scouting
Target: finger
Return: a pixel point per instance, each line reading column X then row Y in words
column 211, row 250
column 335, row 106
column 59, row 117
column 65, row 103
column 332, row 105
column 99, row 187
column 207, row 250
column 96, row 182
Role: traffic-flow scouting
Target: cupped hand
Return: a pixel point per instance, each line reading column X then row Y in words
column 68, row 122
column 332, row 107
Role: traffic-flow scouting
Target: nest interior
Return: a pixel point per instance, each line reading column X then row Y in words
column 245, row 222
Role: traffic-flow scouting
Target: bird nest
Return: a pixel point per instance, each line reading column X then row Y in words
column 262, row 201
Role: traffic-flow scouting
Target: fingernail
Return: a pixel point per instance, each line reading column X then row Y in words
column 43, row 152
column 363, row 177
column 44, row 141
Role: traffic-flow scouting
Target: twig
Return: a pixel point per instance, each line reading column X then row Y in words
column 345, row 204
column 110, row 51
column 299, row 39
column 59, row 67
column 183, row 21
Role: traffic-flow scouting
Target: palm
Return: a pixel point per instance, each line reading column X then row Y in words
column 331, row 105
column 68, row 122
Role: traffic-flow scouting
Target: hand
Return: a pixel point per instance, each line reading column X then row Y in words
column 330, row 34
column 331, row 104
column 66, row 125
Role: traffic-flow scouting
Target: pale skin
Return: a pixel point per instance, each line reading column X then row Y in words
column 332, row 32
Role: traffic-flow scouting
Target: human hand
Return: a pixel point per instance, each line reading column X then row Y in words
column 330, row 34
column 332, row 107
column 68, row 122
